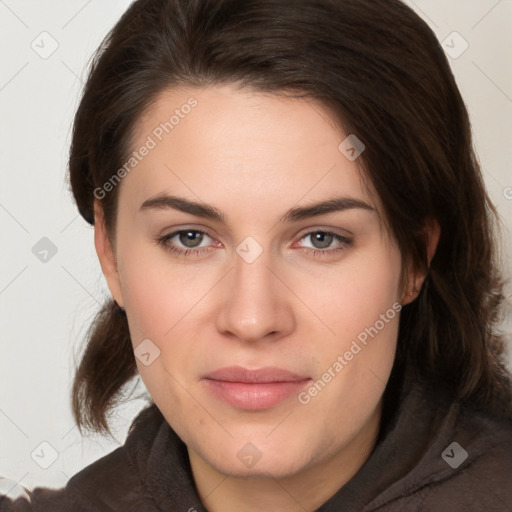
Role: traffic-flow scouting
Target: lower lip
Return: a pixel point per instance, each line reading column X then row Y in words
column 256, row 396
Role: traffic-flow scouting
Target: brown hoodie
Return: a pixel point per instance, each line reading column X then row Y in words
column 431, row 456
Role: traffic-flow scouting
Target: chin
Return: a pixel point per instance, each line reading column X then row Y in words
column 281, row 466
column 259, row 458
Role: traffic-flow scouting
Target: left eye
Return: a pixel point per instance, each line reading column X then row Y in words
column 191, row 240
column 324, row 239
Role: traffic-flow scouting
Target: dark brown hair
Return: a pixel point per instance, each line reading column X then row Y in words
column 380, row 71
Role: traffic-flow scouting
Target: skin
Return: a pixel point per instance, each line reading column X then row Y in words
column 253, row 156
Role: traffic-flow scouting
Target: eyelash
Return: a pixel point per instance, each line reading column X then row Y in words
column 317, row 253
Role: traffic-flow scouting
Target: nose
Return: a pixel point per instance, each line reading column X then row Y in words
column 257, row 304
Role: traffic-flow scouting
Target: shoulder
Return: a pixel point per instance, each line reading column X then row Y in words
column 467, row 466
column 113, row 482
column 478, row 473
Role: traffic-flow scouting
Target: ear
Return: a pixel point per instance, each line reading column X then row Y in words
column 106, row 254
column 415, row 279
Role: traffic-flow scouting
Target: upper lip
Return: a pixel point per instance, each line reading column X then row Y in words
column 261, row 375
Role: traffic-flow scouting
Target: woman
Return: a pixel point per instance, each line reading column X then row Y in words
column 291, row 220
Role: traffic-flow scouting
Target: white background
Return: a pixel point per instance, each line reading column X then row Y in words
column 45, row 308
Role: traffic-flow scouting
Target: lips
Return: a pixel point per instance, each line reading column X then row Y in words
column 262, row 375
column 259, row 389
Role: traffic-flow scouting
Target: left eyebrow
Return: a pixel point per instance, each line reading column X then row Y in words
column 164, row 201
column 332, row 205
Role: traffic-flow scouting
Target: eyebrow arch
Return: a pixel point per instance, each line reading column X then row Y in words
column 164, row 201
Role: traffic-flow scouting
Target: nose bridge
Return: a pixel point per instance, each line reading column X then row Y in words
column 253, row 279
column 255, row 304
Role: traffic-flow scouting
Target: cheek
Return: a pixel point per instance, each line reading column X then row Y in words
column 152, row 307
column 160, row 302
column 163, row 299
column 352, row 296
column 157, row 292
column 361, row 309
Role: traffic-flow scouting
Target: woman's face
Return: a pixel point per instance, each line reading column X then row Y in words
column 238, row 272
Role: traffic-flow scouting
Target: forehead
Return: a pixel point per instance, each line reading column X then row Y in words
column 222, row 144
